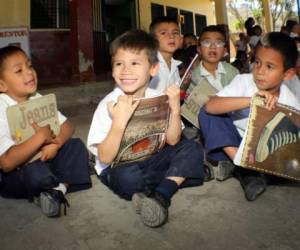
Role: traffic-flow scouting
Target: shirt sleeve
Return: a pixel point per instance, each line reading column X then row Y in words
column 100, row 127
column 5, row 139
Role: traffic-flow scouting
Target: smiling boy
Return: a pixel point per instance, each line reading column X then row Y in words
column 225, row 116
column 150, row 183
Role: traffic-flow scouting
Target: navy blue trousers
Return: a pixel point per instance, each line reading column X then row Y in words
column 70, row 166
column 185, row 159
column 218, row 131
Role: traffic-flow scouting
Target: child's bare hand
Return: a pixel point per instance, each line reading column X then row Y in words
column 49, row 151
column 173, row 93
column 44, row 131
column 123, row 109
column 270, row 99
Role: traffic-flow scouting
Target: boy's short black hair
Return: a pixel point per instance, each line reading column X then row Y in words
column 6, row 52
column 282, row 43
column 192, row 35
column 212, row 28
column 159, row 20
column 136, row 40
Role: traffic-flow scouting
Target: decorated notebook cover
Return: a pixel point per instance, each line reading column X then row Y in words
column 192, row 104
column 145, row 133
column 272, row 141
column 42, row 110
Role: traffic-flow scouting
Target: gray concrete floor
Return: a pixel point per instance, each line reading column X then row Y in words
column 213, row 216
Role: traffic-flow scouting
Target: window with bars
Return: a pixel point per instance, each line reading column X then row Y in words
column 49, row 14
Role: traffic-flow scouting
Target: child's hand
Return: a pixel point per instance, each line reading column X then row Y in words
column 49, row 151
column 123, row 109
column 173, row 93
column 45, row 132
column 270, row 99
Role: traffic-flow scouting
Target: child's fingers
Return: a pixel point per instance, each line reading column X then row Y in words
column 35, row 126
column 135, row 104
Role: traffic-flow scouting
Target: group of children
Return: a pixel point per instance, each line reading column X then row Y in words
column 142, row 66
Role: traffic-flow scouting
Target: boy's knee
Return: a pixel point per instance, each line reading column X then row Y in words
column 126, row 183
column 38, row 178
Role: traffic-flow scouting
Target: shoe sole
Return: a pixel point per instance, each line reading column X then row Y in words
column 152, row 213
column 49, row 206
column 136, row 201
column 224, row 171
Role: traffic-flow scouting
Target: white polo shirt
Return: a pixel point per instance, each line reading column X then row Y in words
column 6, row 140
column 165, row 76
column 102, row 122
column 244, row 86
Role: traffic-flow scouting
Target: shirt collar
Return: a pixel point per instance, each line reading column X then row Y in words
column 162, row 60
column 204, row 72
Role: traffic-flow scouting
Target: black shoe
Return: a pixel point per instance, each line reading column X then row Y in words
column 51, row 201
column 224, row 170
column 154, row 210
column 253, row 187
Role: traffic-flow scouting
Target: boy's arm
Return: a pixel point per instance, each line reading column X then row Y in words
column 49, row 151
column 65, row 133
column 120, row 113
column 173, row 133
column 221, row 105
column 17, row 155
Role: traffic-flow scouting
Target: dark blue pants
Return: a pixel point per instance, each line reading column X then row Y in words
column 185, row 159
column 70, row 166
column 218, row 131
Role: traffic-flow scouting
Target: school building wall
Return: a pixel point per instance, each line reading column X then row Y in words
column 52, row 50
column 203, row 7
column 49, row 48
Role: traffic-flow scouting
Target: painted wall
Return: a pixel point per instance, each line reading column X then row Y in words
column 14, row 13
column 203, row 7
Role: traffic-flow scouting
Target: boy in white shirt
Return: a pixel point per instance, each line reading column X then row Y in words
column 63, row 165
column 166, row 31
column 152, row 182
column 224, row 118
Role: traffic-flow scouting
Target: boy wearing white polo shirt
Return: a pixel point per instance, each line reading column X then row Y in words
column 224, row 118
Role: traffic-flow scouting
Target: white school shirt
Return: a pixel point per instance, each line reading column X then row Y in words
column 6, row 140
column 244, row 86
column 294, row 85
column 102, row 122
column 214, row 81
column 165, row 76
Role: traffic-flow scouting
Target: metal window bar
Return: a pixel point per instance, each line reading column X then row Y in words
column 49, row 14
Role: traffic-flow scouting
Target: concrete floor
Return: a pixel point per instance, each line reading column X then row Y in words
column 214, row 216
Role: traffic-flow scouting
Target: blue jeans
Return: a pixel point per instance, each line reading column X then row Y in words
column 70, row 165
column 218, row 131
column 185, row 159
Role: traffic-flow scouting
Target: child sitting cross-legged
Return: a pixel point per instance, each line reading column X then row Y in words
column 63, row 165
column 224, row 118
column 152, row 182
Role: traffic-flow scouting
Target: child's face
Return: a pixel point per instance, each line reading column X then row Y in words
column 132, row 71
column 189, row 41
column 212, row 47
column 168, row 36
column 268, row 70
column 18, row 78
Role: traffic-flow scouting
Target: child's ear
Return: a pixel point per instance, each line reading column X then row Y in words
column 154, row 69
column 3, row 87
column 289, row 74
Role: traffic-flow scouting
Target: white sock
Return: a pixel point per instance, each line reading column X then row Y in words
column 61, row 187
